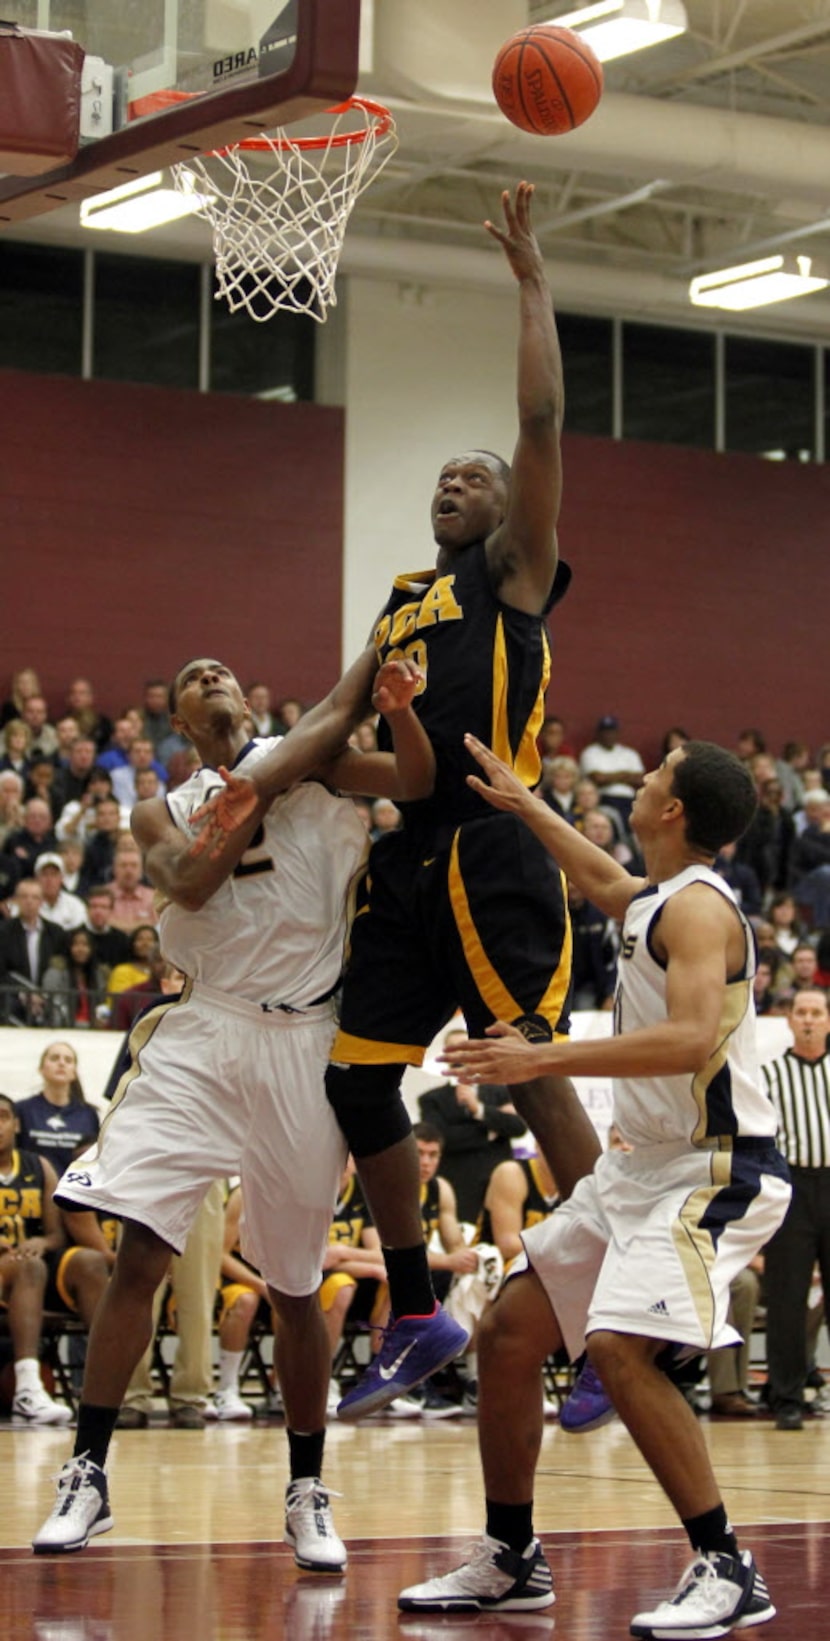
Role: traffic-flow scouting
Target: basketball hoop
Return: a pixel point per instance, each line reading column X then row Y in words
column 279, row 207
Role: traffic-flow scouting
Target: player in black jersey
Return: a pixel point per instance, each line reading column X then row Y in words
column 459, row 909
column 37, row 1271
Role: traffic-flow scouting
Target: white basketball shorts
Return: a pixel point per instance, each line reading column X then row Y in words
column 216, row 1088
column 650, row 1241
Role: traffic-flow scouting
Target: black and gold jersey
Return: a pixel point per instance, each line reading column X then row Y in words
column 351, row 1215
column 536, row 1205
column 430, row 1207
column 486, row 667
column 21, row 1199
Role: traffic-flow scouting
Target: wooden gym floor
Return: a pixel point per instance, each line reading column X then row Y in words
column 196, row 1552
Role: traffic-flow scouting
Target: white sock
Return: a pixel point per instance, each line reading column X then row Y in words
column 27, row 1374
column 230, row 1361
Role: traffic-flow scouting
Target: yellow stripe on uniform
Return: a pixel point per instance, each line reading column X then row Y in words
column 528, row 765
column 501, row 1003
column 490, row 985
column 553, row 1001
column 500, row 729
column 365, row 1051
column 60, row 1278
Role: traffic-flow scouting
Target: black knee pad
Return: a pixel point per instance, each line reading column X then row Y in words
column 367, row 1103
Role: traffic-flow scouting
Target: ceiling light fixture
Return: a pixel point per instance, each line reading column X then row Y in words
column 136, row 206
column 756, row 284
column 613, row 28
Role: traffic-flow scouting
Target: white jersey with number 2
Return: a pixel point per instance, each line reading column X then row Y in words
column 274, row 932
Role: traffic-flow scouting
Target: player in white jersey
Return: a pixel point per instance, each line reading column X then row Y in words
column 637, row 1262
column 228, row 1078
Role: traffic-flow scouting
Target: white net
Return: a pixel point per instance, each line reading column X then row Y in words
column 279, row 207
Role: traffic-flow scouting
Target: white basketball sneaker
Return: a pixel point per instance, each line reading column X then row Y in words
column 36, row 1407
column 229, row 1405
column 81, row 1509
column 494, row 1577
column 310, row 1528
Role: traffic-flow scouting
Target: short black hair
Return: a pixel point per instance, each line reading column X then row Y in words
column 173, row 692
column 428, row 1133
column 717, row 793
column 7, row 1100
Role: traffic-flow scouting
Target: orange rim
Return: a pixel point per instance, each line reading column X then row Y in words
column 157, row 101
column 343, row 139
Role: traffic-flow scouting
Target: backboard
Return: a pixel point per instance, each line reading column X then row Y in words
column 166, row 79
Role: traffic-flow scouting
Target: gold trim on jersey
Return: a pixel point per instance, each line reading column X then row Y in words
column 736, row 1001
column 500, row 726
column 141, row 1034
column 60, row 1275
column 695, row 1245
column 364, row 1051
column 494, row 993
column 555, row 997
column 528, row 765
column 491, row 987
column 526, row 762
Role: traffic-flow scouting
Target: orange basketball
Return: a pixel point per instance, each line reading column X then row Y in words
column 547, row 80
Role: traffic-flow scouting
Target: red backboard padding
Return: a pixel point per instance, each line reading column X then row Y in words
column 40, row 102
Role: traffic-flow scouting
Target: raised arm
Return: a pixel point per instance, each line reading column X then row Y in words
column 322, row 733
column 600, row 878
column 522, row 552
column 407, row 773
column 700, row 941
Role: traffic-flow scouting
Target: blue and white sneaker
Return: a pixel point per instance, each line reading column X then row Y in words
column 716, row 1594
column 81, row 1510
column 494, row 1577
column 413, row 1348
column 589, row 1404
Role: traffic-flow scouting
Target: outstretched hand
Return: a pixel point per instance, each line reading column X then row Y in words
column 504, row 1056
column 223, row 815
column 502, row 788
column 517, row 238
column 396, row 685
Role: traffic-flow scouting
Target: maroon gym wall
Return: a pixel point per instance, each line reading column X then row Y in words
column 700, row 594
column 141, row 526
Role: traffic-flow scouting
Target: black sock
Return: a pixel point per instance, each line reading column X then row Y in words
column 305, row 1451
column 94, row 1433
column 712, row 1532
column 512, row 1524
column 410, row 1284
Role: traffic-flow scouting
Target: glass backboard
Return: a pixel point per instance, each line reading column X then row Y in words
column 168, row 78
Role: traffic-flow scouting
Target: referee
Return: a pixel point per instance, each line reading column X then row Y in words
column 798, row 1083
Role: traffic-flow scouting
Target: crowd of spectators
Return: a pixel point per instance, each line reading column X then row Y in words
column 73, row 899
column 78, row 919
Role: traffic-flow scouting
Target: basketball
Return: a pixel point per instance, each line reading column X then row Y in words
column 547, row 80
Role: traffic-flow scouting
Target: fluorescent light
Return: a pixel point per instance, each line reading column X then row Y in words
column 613, row 28
column 138, row 205
column 756, row 284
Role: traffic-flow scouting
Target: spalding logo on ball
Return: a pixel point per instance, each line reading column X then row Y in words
column 547, row 80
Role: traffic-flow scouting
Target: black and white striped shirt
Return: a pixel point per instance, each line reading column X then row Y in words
column 800, row 1092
